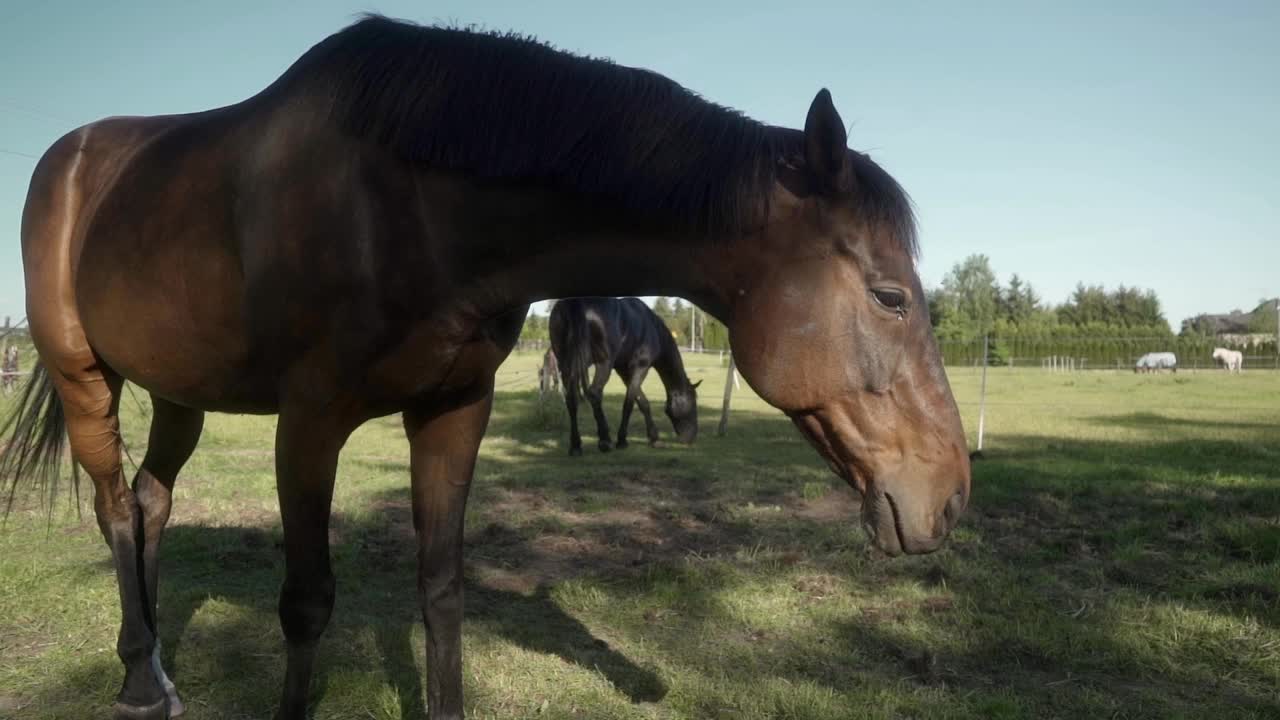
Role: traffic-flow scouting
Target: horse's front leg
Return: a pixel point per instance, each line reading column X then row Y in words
column 443, row 442
column 307, row 446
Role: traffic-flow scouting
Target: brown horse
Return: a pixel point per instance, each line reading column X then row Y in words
column 364, row 236
column 620, row 334
column 548, row 373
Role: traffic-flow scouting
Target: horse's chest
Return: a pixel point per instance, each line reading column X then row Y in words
column 429, row 364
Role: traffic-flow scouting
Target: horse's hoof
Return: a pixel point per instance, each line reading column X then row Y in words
column 155, row 711
column 605, row 446
column 575, row 452
column 621, row 444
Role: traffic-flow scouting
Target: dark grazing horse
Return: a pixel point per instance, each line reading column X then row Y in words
column 620, row 334
column 364, row 236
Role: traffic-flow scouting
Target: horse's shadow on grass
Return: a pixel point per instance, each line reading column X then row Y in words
column 373, row 561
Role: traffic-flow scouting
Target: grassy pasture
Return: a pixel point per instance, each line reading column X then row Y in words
column 1120, row 559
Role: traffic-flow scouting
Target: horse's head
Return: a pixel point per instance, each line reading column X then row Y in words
column 833, row 329
column 682, row 409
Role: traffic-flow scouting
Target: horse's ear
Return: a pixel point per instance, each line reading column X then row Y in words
column 695, row 385
column 826, row 152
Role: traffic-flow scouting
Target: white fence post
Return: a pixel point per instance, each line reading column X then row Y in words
column 982, row 392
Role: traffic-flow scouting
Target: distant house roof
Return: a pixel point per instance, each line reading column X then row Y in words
column 1235, row 322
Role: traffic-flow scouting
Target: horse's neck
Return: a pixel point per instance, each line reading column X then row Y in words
column 668, row 363
column 624, row 264
column 612, row 261
column 554, row 245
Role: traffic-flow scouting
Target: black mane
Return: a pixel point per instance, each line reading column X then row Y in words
column 509, row 107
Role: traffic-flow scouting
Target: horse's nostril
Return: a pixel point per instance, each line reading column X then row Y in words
column 955, row 506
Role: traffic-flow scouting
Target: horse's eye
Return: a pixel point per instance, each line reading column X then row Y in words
column 891, row 299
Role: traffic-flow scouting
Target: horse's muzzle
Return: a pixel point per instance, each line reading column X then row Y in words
column 892, row 530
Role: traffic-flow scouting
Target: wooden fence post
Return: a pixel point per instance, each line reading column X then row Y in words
column 729, row 382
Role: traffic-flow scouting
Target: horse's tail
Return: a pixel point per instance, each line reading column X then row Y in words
column 574, row 356
column 33, row 436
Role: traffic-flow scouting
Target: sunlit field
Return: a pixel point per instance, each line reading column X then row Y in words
column 1120, row 559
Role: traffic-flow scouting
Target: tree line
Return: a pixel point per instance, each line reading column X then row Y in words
column 1095, row 325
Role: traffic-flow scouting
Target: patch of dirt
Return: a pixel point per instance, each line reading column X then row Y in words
column 937, row 604
column 189, row 510
column 792, row 557
column 530, row 541
column 817, row 587
column 22, row 643
column 900, row 610
column 503, row 559
column 85, row 525
column 395, row 512
column 839, row 505
column 619, row 541
column 881, row 614
column 657, row 615
column 385, row 544
column 496, row 535
column 516, row 503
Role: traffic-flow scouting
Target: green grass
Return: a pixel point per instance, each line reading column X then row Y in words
column 1120, row 559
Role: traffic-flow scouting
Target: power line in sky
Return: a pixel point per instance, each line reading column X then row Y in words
column 9, row 107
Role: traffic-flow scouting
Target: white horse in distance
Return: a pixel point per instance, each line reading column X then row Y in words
column 1156, row 361
column 1229, row 360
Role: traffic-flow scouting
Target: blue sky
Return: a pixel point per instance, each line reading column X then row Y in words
column 1101, row 142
